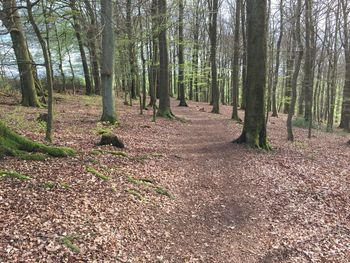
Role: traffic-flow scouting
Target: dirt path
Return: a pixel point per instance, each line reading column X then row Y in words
column 231, row 203
column 215, row 219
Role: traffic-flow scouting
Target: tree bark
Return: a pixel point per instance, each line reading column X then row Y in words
column 107, row 62
column 254, row 130
column 181, row 55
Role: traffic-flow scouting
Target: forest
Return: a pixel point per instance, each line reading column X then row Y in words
column 175, row 131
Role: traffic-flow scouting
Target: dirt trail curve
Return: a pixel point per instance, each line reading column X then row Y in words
column 217, row 210
column 235, row 204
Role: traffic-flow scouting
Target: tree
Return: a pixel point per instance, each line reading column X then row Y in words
column 78, row 31
column 181, row 55
column 235, row 62
column 300, row 53
column 278, row 51
column 11, row 19
column 48, row 68
column 345, row 118
column 107, row 62
column 164, row 109
column 213, row 9
column 254, row 130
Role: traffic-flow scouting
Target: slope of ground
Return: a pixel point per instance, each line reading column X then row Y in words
column 181, row 192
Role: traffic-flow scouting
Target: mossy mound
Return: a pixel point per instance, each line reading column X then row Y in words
column 13, row 144
column 111, row 139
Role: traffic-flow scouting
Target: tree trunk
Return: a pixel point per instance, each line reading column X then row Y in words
column 48, row 67
column 12, row 21
column 254, row 130
column 278, row 51
column 164, row 109
column 300, row 53
column 107, row 62
column 213, row 7
column 235, row 62
column 181, row 55
column 77, row 29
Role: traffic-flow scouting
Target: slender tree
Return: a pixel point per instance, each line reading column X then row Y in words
column 213, row 9
column 181, row 76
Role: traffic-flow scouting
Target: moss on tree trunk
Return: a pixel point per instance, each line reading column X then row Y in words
column 13, row 144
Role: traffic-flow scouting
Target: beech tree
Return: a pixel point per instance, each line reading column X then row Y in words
column 254, row 130
column 107, row 62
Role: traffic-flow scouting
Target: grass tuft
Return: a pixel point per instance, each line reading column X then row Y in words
column 97, row 173
column 68, row 242
column 13, row 174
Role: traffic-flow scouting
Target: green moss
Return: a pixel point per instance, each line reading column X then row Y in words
column 135, row 193
column 142, row 181
column 162, row 191
column 13, row 174
column 13, row 144
column 97, row 173
column 68, row 242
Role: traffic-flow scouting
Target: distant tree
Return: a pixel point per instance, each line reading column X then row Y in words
column 107, row 62
column 78, row 33
column 299, row 54
column 235, row 62
column 181, row 76
column 213, row 9
column 254, row 130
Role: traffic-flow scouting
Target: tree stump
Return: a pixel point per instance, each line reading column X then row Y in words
column 111, row 139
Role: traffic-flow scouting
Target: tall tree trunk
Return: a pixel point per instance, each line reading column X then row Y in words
column 93, row 46
column 278, row 51
column 77, row 30
column 131, row 50
column 244, row 56
column 308, row 63
column 235, row 62
column 213, row 7
column 12, row 21
column 181, row 55
column 48, row 67
column 60, row 58
column 154, row 67
column 164, row 109
column 254, row 129
column 107, row 62
column 300, row 54
column 345, row 115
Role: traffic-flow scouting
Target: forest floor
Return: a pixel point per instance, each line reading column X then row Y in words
column 182, row 192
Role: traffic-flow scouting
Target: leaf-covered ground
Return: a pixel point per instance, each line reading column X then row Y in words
column 179, row 192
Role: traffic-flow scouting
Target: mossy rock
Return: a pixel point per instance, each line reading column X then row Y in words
column 111, row 139
column 13, row 144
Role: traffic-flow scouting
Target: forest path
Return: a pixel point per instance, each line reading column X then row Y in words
column 217, row 207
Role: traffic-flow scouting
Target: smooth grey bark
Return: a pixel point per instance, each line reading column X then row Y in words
column 107, row 62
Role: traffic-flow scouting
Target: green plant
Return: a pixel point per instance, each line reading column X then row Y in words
column 68, row 242
column 97, row 173
column 13, row 174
